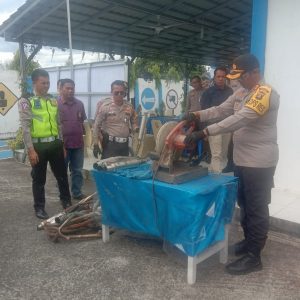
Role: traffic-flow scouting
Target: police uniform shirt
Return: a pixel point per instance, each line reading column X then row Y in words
column 26, row 116
column 252, row 116
column 117, row 121
column 193, row 100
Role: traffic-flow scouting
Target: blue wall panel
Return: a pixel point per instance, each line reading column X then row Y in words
column 259, row 30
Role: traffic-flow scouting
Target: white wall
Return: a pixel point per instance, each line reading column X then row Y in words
column 102, row 74
column 159, row 96
column 282, row 68
column 171, row 87
column 9, row 123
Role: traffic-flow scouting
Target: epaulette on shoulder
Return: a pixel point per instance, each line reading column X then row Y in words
column 272, row 89
column 31, row 97
column 50, row 96
column 24, row 99
column 128, row 103
column 106, row 101
column 267, row 86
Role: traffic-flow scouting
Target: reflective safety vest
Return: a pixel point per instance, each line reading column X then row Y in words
column 44, row 117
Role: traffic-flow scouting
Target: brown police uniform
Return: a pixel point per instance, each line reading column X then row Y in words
column 113, row 125
column 193, row 100
column 252, row 116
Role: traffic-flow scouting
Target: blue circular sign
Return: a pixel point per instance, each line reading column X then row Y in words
column 148, row 98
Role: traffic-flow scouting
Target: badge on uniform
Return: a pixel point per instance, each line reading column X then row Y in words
column 260, row 100
column 25, row 105
column 37, row 104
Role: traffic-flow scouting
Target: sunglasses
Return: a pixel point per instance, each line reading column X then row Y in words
column 119, row 93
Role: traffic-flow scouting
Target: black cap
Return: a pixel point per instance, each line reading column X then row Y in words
column 242, row 64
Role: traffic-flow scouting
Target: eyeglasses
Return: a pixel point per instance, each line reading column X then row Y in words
column 122, row 93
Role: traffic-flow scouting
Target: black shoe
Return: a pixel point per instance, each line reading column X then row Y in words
column 66, row 204
column 41, row 214
column 244, row 265
column 239, row 248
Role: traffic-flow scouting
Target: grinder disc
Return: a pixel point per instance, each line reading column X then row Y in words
column 162, row 135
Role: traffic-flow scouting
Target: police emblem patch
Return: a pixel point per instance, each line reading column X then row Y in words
column 25, row 105
column 260, row 100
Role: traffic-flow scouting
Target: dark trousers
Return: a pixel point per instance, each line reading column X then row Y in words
column 115, row 149
column 52, row 152
column 254, row 196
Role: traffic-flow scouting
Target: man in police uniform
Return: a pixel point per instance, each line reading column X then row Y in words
column 194, row 96
column 251, row 114
column 42, row 137
column 114, row 123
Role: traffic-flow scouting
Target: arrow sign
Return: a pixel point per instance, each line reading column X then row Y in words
column 148, row 99
column 145, row 101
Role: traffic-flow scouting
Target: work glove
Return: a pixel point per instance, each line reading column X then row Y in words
column 96, row 151
column 194, row 137
column 189, row 117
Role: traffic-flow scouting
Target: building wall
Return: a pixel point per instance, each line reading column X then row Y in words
column 282, row 65
column 92, row 81
column 150, row 99
column 9, row 123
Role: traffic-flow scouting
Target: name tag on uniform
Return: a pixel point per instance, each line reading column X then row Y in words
column 37, row 104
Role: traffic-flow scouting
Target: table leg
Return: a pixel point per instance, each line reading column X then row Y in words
column 224, row 250
column 105, row 233
column 192, row 269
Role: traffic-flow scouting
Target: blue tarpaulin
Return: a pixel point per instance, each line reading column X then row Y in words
column 190, row 215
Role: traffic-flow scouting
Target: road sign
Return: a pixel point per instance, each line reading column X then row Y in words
column 148, row 99
column 7, row 99
column 172, row 99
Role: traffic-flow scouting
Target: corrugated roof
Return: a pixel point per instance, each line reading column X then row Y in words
column 206, row 31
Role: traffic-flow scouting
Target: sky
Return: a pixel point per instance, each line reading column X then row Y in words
column 44, row 57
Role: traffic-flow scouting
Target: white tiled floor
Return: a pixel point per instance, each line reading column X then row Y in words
column 285, row 205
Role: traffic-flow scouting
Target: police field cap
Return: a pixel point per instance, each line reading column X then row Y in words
column 242, row 64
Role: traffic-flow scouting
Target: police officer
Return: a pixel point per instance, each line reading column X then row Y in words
column 251, row 114
column 114, row 123
column 194, row 96
column 42, row 137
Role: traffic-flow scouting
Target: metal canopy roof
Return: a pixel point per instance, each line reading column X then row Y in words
column 205, row 31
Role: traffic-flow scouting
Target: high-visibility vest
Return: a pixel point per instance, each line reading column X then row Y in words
column 44, row 117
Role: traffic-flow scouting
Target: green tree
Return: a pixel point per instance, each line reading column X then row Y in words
column 14, row 64
column 158, row 68
column 167, row 68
